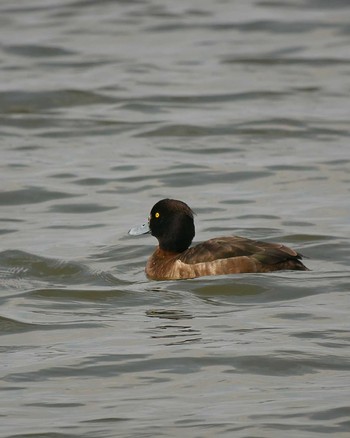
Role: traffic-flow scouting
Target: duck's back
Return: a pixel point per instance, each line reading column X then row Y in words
column 265, row 256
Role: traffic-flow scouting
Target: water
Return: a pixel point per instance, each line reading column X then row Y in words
column 241, row 110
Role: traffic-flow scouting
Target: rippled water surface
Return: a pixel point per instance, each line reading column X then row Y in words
column 241, row 109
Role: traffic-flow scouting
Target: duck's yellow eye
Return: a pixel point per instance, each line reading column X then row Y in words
column 157, row 215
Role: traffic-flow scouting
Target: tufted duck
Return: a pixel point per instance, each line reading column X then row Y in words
column 171, row 222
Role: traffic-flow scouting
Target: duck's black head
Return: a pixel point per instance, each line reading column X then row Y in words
column 171, row 222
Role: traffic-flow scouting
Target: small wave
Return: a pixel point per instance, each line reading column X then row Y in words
column 10, row 325
column 36, row 271
column 30, row 195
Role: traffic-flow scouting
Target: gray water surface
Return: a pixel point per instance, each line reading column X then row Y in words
column 241, row 109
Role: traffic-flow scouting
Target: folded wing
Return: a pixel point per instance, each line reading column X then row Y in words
column 229, row 247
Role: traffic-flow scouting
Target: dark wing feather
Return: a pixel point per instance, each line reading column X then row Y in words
column 227, row 247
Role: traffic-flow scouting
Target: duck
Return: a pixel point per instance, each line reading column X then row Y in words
column 172, row 223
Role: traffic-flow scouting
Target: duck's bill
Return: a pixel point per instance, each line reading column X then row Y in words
column 140, row 229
